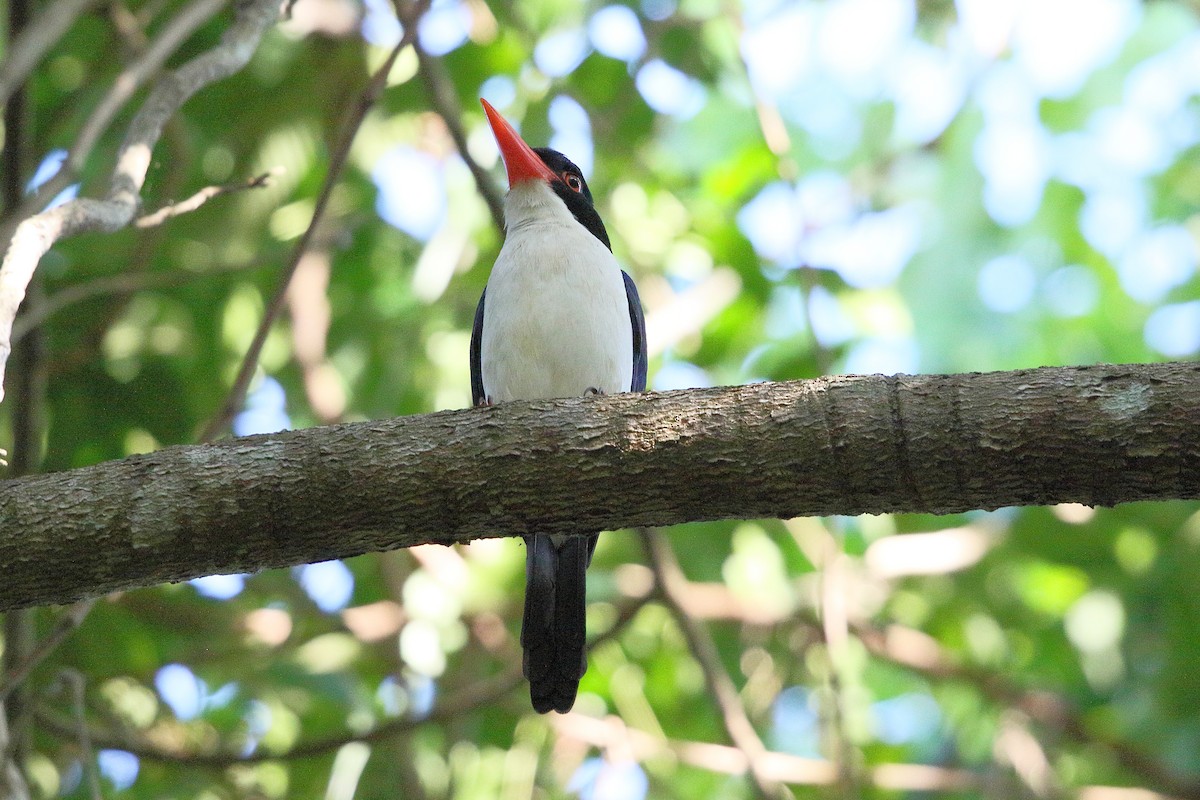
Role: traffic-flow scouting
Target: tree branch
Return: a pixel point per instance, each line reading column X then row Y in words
column 612, row 733
column 42, row 33
column 940, row 444
column 917, row 651
column 118, row 283
column 337, row 161
column 38, row 233
column 461, row 702
column 458, row 703
column 148, row 62
column 440, row 90
column 670, row 581
column 63, row 628
column 200, row 198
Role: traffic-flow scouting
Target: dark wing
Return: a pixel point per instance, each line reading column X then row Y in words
column 636, row 318
column 477, row 393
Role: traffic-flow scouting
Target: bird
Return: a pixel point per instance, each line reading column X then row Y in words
column 558, row 318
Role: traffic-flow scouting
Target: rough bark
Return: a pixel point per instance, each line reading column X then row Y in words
column 1098, row 435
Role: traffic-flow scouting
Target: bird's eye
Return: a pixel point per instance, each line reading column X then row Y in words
column 573, row 181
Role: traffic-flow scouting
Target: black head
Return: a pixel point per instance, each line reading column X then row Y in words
column 574, row 191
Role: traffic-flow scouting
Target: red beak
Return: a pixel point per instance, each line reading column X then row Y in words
column 519, row 159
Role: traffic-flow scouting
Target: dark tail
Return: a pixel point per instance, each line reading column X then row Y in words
column 553, row 630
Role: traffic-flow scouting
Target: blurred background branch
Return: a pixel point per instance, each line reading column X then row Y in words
column 358, row 111
column 669, row 580
column 32, row 236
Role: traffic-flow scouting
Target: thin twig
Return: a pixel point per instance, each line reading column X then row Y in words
column 614, row 735
column 65, row 626
column 12, row 782
column 441, row 94
column 464, row 701
column 469, row 699
column 121, row 283
column 42, row 33
column 35, row 235
column 922, row 654
column 337, row 162
column 73, row 681
column 200, row 198
column 668, row 579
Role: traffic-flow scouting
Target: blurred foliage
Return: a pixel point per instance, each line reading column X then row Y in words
column 914, row 639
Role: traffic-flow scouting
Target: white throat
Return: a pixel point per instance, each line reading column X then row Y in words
column 556, row 318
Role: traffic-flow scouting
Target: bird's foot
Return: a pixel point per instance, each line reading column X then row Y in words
column 484, row 402
column 594, row 390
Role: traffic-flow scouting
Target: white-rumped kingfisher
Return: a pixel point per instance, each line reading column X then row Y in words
column 559, row 318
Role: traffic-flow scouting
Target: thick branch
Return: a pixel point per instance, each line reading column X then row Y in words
column 844, row 445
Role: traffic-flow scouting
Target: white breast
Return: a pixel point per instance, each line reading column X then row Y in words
column 556, row 319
